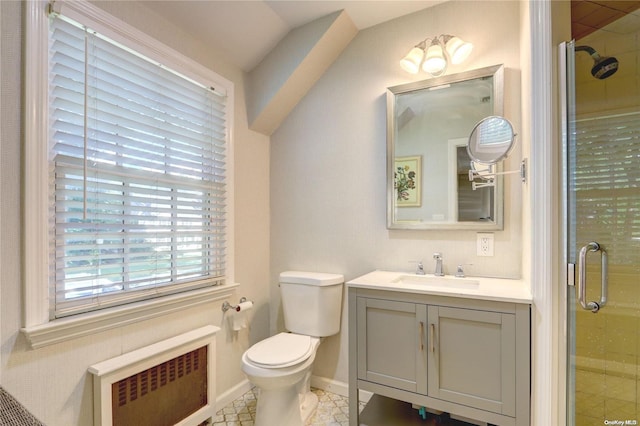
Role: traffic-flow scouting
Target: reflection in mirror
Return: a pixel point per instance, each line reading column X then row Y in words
column 428, row 124
column 472, row 205
column 491, row 140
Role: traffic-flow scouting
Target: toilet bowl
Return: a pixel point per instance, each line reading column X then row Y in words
column 280, row 366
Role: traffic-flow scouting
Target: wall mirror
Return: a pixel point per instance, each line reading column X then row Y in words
column 428, row 128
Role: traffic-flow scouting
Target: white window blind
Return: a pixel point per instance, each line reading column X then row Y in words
column 606, row 184
column 137, row 176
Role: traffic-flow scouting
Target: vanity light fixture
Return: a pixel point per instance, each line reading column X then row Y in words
column 435, row 58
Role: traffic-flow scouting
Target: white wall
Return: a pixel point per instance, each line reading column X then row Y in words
column 52, row 382
column 328, row 169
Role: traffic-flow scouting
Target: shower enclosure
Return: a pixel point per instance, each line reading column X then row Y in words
column 602, row 200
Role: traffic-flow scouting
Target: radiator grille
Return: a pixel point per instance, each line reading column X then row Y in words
column 163, row 394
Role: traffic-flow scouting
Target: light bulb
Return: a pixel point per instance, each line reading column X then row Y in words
column 458, row 50
column 435, row 63
column 411, row 62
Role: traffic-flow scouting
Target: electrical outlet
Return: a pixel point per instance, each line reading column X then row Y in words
column 484, row 244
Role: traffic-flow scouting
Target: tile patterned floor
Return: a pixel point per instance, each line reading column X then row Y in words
column 333, row 410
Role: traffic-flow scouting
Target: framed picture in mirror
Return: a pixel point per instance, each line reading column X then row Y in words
column 408, row 181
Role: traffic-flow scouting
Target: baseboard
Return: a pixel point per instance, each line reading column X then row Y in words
column 337, row 387
column 232, row 394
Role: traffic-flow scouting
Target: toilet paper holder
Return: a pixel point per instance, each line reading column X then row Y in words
column 226, row 305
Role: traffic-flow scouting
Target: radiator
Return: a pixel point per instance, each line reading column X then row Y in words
column 171, row 382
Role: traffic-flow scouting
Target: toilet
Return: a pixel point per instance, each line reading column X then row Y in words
column 280, row 366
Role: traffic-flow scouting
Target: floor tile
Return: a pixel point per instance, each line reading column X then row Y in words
column 333, row 410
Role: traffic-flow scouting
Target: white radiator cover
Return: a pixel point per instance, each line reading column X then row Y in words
column 108, row 372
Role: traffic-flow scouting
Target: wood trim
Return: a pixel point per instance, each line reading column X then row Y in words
column 543, row 221
column 84, row 325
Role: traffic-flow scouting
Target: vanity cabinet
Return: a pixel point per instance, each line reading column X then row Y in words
column 392, row 344
column 459, row 355
column 472, row 358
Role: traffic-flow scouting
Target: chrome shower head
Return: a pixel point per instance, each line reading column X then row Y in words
column 603, row 67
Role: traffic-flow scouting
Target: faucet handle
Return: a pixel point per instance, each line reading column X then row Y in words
column 460, row 269
column 419, row 267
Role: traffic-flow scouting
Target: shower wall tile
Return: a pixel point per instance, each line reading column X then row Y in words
column 591, row 95
column 622, row 95
column 620, row 91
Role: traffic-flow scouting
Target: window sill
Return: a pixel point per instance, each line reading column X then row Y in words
column 65, row 329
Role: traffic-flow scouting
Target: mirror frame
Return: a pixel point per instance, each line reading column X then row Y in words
column 497, row 72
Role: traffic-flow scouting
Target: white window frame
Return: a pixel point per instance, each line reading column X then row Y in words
column 38, row 328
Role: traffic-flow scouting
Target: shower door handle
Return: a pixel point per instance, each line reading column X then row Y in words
column 582, row 278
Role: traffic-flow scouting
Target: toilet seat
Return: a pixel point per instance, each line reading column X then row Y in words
column 281, row 350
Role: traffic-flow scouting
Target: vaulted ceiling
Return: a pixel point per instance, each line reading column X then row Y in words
column 252, row 28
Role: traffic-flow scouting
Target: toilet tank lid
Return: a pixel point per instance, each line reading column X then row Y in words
column 311, row 278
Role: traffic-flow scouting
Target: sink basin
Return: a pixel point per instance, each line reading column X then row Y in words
column 433, row 281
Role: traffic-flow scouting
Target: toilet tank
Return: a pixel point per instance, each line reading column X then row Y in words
column 311, row 302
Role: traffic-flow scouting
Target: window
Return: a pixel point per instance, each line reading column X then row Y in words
column 137, row 175
column 135, row 151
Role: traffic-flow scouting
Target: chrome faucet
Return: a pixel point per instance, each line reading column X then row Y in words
column 438, row 272
column 460, row 270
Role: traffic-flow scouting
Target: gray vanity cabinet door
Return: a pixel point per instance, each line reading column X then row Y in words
column 472, row 358
column 392, row 344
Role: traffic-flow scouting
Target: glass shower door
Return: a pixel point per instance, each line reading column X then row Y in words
column 602, row 199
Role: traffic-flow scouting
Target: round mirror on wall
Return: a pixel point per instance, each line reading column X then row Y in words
column 491, row 140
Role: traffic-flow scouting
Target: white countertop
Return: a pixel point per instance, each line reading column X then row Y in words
column 496, row 289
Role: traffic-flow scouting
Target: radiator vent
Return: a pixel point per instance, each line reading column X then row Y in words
column 143, row 398
column 171, row 382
